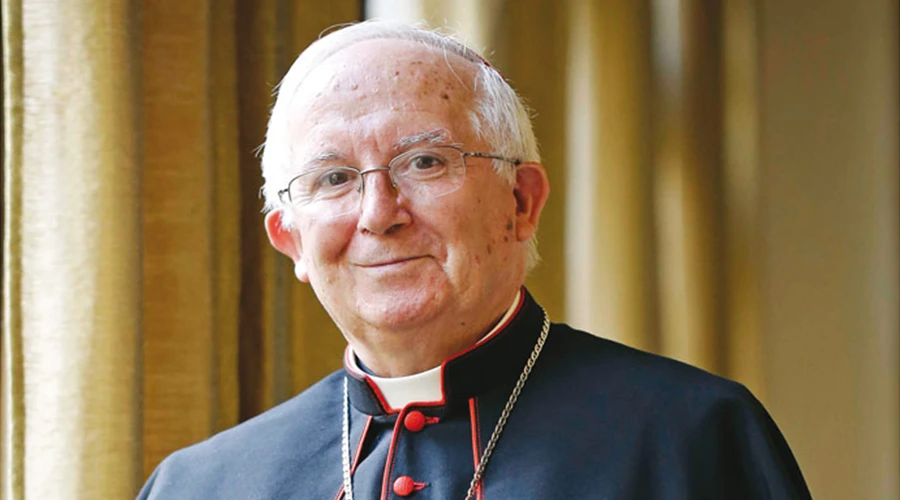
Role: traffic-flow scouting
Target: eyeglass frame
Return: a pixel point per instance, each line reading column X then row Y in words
column 387, row 168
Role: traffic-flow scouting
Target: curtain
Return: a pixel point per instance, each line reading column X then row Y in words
column 648, row 169
column 723, row 191
column 142, row 308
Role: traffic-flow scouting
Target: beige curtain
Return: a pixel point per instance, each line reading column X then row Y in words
column 72, row 252
column 724, row 191
column 142, row 309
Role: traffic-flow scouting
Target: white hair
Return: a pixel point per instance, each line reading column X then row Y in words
column 499, row 118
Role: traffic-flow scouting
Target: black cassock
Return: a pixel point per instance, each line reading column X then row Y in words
column 596, row 420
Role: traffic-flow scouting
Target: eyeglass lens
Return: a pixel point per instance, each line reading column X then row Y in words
column 419, row 174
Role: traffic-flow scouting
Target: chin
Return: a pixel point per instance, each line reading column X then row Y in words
column 399, row 309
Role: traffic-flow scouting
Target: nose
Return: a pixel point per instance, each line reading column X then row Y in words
column 381, row 211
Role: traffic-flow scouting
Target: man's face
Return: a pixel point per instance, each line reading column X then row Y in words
column 400, row 263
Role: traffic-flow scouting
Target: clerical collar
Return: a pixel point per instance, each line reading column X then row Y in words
column 461, row 376
column 422, row 387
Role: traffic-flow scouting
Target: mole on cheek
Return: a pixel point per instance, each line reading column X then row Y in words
column 445, row 96
column 509, row 225
column 490, row 250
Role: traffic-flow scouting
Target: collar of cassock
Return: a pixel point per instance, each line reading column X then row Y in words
column 498, row 358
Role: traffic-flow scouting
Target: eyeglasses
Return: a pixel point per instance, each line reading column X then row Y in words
column 420, row 174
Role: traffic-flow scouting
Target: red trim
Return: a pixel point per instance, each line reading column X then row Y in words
column 497, row 330
column 475, row 423
column 359, row 447
column 350, row 366
column 381, row 399
column 389, row 463
column 364, row 376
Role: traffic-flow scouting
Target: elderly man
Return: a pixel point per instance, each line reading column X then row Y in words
column 404, row 182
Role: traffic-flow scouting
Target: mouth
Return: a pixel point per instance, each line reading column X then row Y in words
column 391, row 262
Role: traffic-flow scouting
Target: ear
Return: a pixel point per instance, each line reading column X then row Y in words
column 532, row 189
column 287, row 242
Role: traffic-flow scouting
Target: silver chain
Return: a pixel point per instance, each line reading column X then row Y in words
column 492, row 442
column 345, row 445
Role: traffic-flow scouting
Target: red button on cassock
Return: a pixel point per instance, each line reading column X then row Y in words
column 404, row 485
column 414, row 421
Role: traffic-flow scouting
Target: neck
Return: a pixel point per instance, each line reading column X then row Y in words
column 408, row 353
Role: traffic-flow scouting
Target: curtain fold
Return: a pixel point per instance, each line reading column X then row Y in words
column 12, row 411
column 609, row 245
column 260, row 57
column 740, row 189
column 225, row 197
column 179, row 344
column 623, row 286
column 72, row 251
column 689, row 164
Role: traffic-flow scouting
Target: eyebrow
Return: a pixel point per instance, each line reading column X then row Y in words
column 436, row 136
column 325, row 157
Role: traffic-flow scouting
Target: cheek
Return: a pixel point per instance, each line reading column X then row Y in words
column 325, row 242
column 485, row 232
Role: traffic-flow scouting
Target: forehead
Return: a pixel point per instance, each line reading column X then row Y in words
column 378, row 89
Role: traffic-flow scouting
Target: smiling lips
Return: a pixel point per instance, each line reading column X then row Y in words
column 391, row 262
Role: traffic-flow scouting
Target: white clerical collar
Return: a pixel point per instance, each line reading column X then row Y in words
column 423, row 387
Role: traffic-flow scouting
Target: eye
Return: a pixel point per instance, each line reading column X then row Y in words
column 422, row 165
column 426, row 161
column 332, row 179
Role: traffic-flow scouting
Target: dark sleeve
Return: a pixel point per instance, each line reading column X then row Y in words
column 739, row 453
